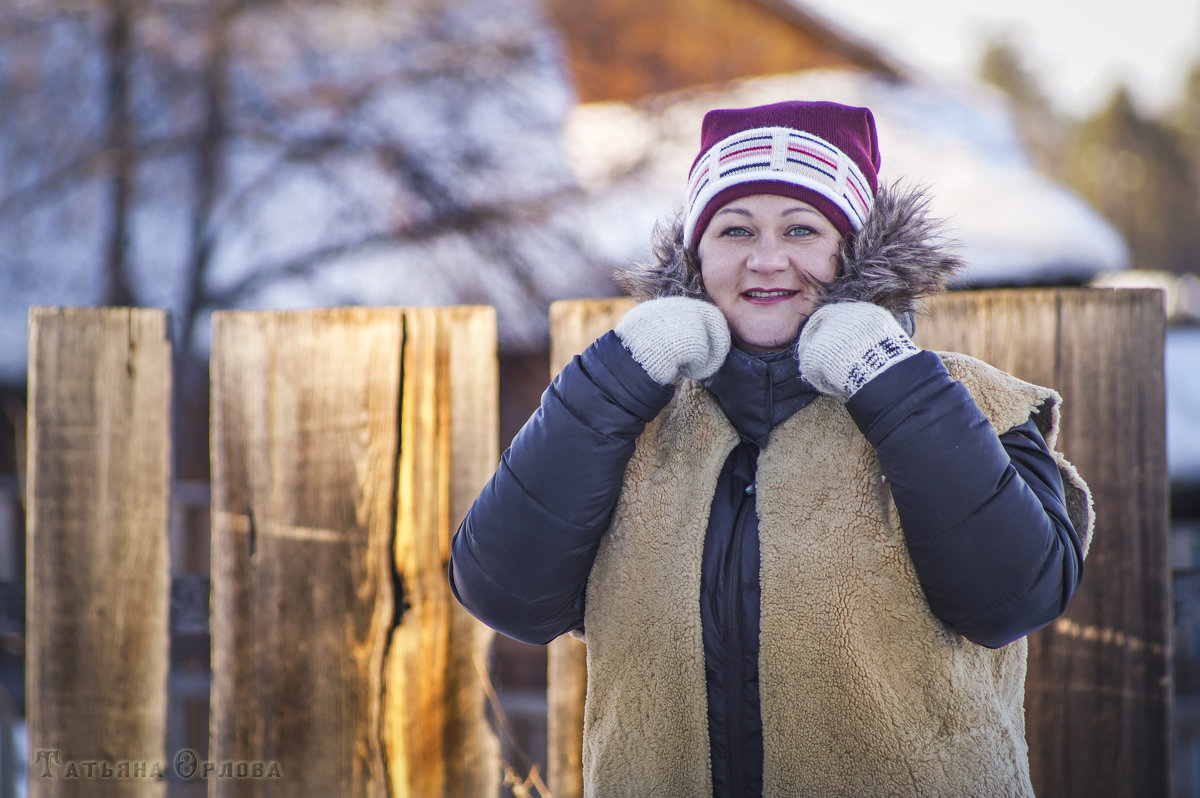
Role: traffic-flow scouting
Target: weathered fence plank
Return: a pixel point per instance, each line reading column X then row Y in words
column 573, row 325
column 1098, row 690
column 336, row 654
column 97, row 559
column 438, row 655
column 472, row 370
column 1099, row 679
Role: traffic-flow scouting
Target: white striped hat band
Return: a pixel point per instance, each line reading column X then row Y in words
column 783, row 155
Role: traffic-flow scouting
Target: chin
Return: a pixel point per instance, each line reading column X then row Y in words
column 766, row 342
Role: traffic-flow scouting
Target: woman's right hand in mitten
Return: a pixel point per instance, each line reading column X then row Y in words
column 673, row 337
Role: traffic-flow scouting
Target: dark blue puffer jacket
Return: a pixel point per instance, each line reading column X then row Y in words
column 521, row 558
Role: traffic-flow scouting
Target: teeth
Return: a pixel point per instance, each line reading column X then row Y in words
column 764, row 294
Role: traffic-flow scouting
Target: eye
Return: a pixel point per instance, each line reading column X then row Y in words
column 734, row 232
column 799, row 230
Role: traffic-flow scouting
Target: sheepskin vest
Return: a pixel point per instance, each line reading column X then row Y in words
column 864, row 691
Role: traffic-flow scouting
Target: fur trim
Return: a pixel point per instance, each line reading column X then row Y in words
column 675, row 271
column 899, row 257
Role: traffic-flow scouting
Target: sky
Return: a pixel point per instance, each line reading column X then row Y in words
column 1078, row 49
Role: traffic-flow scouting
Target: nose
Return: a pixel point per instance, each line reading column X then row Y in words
column 767, row 256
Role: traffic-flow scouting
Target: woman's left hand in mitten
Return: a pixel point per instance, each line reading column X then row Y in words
column 845, row 345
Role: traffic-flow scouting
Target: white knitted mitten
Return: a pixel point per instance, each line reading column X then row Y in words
column 674, row 337
column 845, row 345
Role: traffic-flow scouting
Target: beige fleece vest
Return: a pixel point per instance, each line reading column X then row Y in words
column 864, row 692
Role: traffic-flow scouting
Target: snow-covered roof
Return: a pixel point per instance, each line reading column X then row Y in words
column 1014, row 225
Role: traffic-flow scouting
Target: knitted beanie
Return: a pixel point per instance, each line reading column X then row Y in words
column 821, row 153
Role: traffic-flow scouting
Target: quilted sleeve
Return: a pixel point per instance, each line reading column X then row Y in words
column 521, row 558
column 984, row 511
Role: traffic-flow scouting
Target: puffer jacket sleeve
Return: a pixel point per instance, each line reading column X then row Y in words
column 984, row 515
column 521, row 558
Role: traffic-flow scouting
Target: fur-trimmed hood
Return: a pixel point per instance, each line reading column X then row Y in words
column 899, row 257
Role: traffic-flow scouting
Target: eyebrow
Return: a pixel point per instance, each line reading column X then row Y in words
column 745, row 212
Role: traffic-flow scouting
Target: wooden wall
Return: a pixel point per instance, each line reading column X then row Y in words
column 627, row 49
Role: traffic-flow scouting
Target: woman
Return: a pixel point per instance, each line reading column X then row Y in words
column 803, row 553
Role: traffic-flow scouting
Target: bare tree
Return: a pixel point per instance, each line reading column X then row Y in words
column 220, row 149
column 121, row 152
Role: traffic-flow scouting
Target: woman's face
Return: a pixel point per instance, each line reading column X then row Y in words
column 760, row 259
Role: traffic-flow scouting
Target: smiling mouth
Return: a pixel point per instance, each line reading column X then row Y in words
column 762, row 294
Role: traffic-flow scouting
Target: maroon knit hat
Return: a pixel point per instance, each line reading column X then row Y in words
column 821, row 153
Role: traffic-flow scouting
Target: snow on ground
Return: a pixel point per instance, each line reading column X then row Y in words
column 1183, row 404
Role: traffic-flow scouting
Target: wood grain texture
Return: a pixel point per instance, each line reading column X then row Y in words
column 574, row 324
column 627, row 50
column 469, row 339
column 438, row 654
column 1098, row 689
column 98, row 572
column 333, row 633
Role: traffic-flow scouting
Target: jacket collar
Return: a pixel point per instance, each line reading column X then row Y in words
column 756, row 391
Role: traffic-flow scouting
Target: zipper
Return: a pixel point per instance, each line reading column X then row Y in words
column 735, row 677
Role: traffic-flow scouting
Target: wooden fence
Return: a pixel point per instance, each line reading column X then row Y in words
column 97, row 571
column 347, row 444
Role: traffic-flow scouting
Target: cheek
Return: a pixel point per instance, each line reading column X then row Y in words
column 827, row 269
column 715, row 276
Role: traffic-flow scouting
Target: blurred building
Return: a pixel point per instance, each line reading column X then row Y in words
column 626, row 50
